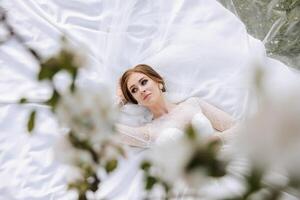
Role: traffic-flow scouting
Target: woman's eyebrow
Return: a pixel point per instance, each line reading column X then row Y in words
column 139, row 81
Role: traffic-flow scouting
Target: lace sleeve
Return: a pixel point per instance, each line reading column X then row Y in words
column 134, row 136
column 219, row 119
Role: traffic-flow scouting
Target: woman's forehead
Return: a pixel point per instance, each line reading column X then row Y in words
column 134, row 78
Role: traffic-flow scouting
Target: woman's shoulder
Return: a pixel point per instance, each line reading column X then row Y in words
column 193, row 100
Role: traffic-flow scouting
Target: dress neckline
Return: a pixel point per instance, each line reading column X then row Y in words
column 177, row 105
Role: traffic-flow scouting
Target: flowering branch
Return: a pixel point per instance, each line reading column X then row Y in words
column 89, row 117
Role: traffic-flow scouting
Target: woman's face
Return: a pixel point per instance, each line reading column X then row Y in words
column 145, row 90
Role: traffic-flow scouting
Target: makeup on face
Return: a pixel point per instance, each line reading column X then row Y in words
column 143, row 88
column 143, row 81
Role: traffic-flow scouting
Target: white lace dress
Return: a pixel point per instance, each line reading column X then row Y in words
column 126, row 182
column 168, row 126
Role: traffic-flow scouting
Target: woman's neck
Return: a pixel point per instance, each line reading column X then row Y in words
column 160, row 108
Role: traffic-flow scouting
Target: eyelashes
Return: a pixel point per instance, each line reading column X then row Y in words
column 143, row 82
column 133, row 90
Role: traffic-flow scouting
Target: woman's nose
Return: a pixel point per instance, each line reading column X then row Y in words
column 142, row 89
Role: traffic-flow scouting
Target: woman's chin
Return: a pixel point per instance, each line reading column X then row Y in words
column 148, row 102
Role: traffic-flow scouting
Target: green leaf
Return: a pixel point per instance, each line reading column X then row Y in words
column 146, row 166
column 216, row 168
column 254, row 182
column 49, row 69
column 214, row 146
column 111, row 165
column 53, row 100
column 72, row 86
column 31, row 121
column 294, row 182
column 166, row 186
column 254, row 179
column 199, row 159
column 23, row 100
column 121, row 151
column 81, row 186
column 66, row 59
column 150, row 182
column 73, row 73
column 82, row 196
column 190, row 132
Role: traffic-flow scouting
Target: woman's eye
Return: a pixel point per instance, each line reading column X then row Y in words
column 133, row 90
column 144, row 82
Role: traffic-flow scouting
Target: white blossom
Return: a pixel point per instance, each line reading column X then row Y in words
column 271, row 138
column 78, row 52
column 197, row 178
column 174, row 151
column 65, row 152
column 89, row 113
column 202, row 125
column 170, row 157
column 111, row 152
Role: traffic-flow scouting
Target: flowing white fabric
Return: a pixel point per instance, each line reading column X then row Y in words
column 199, row 47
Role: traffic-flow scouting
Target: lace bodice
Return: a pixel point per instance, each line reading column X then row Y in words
column 168, row 126
column 177, row 118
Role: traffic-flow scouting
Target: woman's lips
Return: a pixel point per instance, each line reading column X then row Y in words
column 145, row 97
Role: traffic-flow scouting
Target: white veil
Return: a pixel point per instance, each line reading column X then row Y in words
column 200, row 49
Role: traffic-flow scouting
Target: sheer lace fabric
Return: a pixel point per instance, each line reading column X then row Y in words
column 172, row 124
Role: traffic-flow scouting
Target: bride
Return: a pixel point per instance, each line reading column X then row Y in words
column 142, row 85
column 203, row 61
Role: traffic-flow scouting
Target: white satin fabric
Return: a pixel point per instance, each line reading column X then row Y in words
column 199, row 47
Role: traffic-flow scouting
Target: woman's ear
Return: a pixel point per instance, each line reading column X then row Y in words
column 161, row 86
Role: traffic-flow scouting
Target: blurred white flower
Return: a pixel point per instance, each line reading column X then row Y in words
column 202, row 125
column 167, row 135
column 197, row 178
column 89, row 113
column 175, row 156
column 73, row 174
column 77, row 53
column 171, row 157
column 271, row 138
column 110, row 151
column 66, row 153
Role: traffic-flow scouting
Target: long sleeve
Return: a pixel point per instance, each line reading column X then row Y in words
column 134, row 136
column 219, row 119
column 225, row 125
